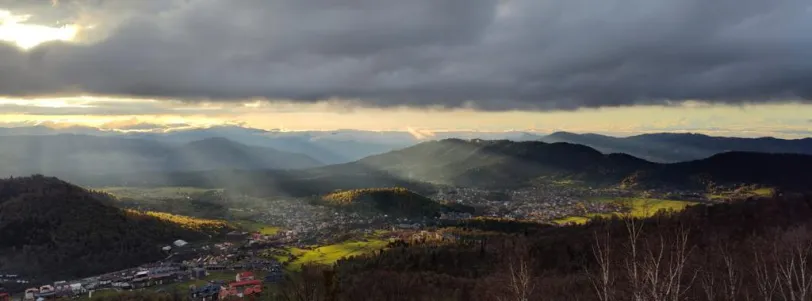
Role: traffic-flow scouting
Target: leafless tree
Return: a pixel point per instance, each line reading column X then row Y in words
column 602, row 280
column 708, row 283
column 521, row 281
column 634, row 228
column 519, row 275
column 766, row 280
column 732, row 277
column 792, row 258
column 663, row 269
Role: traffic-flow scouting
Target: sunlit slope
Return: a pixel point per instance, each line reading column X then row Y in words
column 633, row 207
column 392, row 201
column 502, row 163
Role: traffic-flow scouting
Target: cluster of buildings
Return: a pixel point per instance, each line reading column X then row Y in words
column 202, row 261
column 541, row 203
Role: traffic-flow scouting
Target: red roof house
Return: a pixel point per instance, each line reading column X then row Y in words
column 244, row 276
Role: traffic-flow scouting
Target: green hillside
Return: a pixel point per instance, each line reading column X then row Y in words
column 502, row 163
column 392, row 201
column 633, row 207
column 506, row 164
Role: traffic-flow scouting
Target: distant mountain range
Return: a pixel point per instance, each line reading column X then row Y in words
column 250, row 158
column 70, row 155
column 667, row 148
column 342, row 146
column 329, row 147
column 493, row 164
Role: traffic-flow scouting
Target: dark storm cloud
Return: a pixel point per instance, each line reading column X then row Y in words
column 488, row 54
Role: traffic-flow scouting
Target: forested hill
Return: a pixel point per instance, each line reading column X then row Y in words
column 53, row 229
column 392, row 201
column 788, row 171
column 502, row 164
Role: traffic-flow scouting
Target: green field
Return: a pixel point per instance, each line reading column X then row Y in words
column 741, row 193
column 640, row 207
column 578, row 220
column 257, row 227
column 329, row 254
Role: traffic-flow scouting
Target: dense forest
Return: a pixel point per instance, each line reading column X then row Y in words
column 395, row 201
column 52, row 229
column 756, row 249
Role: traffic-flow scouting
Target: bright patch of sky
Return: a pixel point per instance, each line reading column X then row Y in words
column 780, row 120
column 14, row 29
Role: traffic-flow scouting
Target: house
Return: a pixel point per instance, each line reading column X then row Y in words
column 77, row 288
column 244, row 276
column 241, row 289
column 141, row 278
column 205, row 293
column 199, row 273
column 31, row 293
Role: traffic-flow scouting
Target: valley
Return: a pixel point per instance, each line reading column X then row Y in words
column 280, row 224
column 405, row 150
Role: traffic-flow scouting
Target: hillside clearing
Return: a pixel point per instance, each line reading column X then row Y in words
column 638, row 207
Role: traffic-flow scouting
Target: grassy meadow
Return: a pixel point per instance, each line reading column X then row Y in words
column 638, row 207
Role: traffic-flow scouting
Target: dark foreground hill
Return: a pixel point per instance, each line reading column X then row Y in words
column 80, row 155
column 668, row 147
column 752, row 250
column 50, row 229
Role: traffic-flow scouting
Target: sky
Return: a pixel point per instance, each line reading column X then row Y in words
column 724, row 67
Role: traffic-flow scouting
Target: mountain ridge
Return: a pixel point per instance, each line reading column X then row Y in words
column 680, row 147
column 480, row 163
column 69, row 154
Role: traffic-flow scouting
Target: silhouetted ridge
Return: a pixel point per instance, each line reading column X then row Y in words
column 676, row 147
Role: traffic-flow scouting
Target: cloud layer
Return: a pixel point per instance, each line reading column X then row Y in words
column 488, row 54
